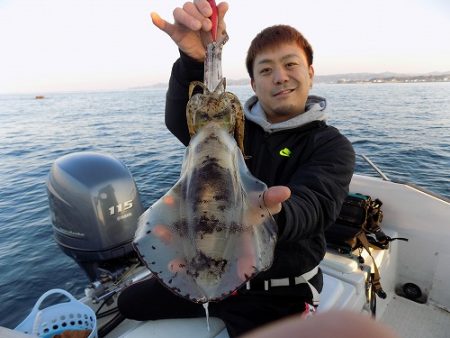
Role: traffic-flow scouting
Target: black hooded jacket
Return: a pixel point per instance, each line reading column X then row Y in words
column 318, row 171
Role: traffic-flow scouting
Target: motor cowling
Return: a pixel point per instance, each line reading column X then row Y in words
column 94, row 206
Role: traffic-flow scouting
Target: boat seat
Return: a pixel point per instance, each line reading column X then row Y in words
column 336, row 294
column 344, row 281
column 346, row 264
column 181, row 327
column 339, row 262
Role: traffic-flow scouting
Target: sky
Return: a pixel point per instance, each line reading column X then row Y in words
column 79, row 45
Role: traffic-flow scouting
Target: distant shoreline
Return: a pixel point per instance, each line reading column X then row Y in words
column 401, row 79
column 350, row 78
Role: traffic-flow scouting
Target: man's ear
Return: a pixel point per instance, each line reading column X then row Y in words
column 252, row 82
column 311, row 75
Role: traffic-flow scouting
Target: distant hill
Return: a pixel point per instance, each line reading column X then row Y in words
column 161, row 85
column 349, row 78
column 336, row 78
column 382, row 77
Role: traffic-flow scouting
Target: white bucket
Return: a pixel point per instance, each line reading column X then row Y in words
column 55, row 319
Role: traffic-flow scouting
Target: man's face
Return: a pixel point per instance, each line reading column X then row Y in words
column 281, row 81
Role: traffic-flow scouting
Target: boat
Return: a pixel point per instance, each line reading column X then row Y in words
column 415, row 275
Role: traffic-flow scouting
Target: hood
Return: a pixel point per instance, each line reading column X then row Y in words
column 315, row 111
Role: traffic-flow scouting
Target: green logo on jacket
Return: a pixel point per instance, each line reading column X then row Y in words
column 285, row 152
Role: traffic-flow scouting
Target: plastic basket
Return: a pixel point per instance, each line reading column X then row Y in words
column 55, row 319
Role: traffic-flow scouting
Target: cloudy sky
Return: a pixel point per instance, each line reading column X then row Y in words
column 64, row 45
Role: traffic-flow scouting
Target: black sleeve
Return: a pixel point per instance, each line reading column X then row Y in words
column 184, row 71
column 319, row 188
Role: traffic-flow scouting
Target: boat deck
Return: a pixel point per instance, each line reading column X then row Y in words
column 413, row 320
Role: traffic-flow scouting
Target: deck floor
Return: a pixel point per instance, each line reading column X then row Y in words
column 413, row 320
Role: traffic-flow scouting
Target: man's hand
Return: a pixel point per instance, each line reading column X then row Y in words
column 191, row 30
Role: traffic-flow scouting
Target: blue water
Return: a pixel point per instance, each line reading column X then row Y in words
column 403, row 128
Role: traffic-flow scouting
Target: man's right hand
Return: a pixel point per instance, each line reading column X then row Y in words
column 191, row 30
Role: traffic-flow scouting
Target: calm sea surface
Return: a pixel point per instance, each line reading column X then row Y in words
column 403, row 128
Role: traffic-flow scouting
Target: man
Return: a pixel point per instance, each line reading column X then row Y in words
column 307, row 164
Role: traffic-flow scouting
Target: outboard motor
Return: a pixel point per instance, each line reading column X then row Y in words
column 95, row 206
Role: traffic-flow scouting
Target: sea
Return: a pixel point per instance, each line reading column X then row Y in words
column 403, row 128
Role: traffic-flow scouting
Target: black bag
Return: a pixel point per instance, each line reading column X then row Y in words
column 359, row 214
column 358, row 227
